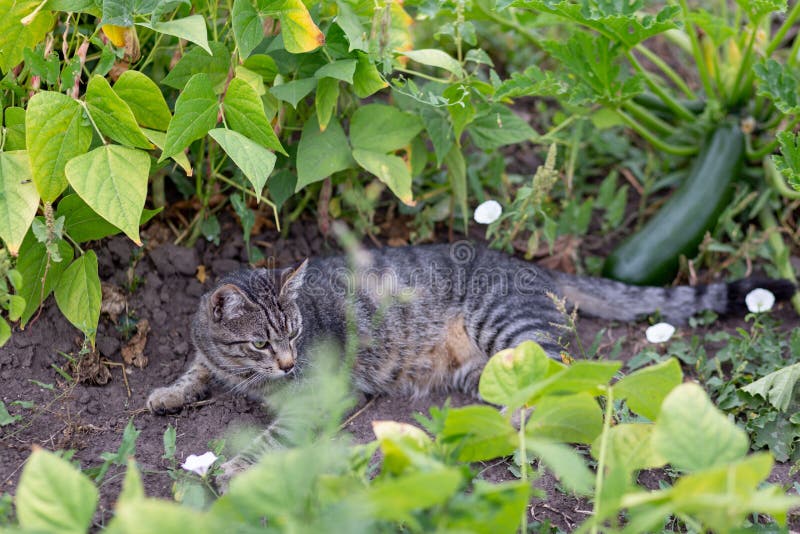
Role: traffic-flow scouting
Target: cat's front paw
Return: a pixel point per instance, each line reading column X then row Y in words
column 163, row 401
column 228, row 470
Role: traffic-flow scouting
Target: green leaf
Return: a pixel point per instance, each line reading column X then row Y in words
column 394, row 499
column 391, row 170
column 343, row 70
column 647, row 388
column 15, row 37
column 621, row 21
column 580, row 377
column 692, row 434
column 349, row 22
column 33, row 266
column 439, row 131
column 479, row 433
column 321, row 153
column 55, row 132
column 511, row 375
column 533, row 81
column 118, row 12
column 144, row 99
column 294, row 91
column 382, row 128
column 498, row 126
column 112, row 180
column 197, row 61
column 5, row 335
column 255, row 161
column 566, row 418
column 83, row 224
column 756, row 9
column 78, row 294
column 191, row 28
column 5, row 417
column 457, row 174
column 156, row 516
column 18, row 199
column 112, row 115
column 436, row 58
column 53, row 496
column 247, row 28
column 244, row 113
column 132, row 487
column 777, row 387
column 778, row 83
column 367, row 80
column 15, row 129
column 630, row 446
column 325, row 100
column 788, row 163
column 195, row 114
column 298, row 30
column 565, row 463
column 158, row 139
column 264, row 65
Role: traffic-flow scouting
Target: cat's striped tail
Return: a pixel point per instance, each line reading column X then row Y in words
column 609, row 299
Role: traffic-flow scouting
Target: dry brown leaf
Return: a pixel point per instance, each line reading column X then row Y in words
column 113, row 300
column 133, row 352
column 201, row 274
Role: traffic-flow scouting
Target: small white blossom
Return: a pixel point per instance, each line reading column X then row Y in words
column 759, row 300
column 659, row 333
column 199, row 464
column 488, row 212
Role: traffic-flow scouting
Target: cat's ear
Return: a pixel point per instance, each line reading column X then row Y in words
column 292, row 279
column 228, row 302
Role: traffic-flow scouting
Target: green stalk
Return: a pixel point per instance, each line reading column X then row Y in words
column 780, row 252
column 511, row 25
column 738, row 87
column 702, row 68
column 671, row 103
column 783, row 30
column 653, row 139
column 259, row 198
column 601, row 458
column 768, row 148
column 523, row 458
column 648, row 119
column 776, row 181
column 667, row 70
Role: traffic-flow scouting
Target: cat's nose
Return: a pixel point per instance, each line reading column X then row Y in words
column 286, row 366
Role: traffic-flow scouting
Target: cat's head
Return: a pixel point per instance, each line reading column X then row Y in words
column 251, row 324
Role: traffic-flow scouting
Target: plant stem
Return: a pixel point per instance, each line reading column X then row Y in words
column 780, row 252
column 259, row 198
column 702, row 68
column 523, row 460
column 601, row 458
column 768, row 148
column 671, row 103
column 511, row 25
column 422, row 75
column 667, row 70
column 777, row 39
column 776, row 181
column 649, row 120
column 744, row 65
column 653, row 139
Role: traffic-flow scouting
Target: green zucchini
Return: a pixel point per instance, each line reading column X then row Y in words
column 650, row 256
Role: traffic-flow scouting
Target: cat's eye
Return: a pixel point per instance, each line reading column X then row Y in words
column 260, row 344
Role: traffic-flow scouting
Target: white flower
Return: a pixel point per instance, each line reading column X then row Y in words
column 199, row 464
column 759, row 300
column 488, row 212
column 659, row 333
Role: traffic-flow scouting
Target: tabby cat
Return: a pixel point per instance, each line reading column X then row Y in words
column 426, row 317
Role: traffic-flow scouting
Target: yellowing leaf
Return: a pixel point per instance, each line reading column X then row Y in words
column 15, row 37
column 112, row 180
column 300, row 34
column 116, row 34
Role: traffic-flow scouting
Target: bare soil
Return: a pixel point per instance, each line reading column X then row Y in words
column 90, row 418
